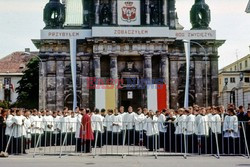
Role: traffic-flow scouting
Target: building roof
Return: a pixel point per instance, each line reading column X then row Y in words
column 15, row 63
column 235, row 63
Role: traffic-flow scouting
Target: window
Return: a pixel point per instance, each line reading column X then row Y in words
column 232, row 80
column 235, row 68
column 247, row 79
column 231, row 69
column 7, row 87
column 246, row 63
column 226, row 81
column 240, row 66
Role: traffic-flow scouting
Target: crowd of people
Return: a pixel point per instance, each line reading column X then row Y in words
column 193, row 130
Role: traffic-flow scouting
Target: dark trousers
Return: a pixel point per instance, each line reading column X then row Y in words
column 3, row 141
column 83, row 146
column 18, row 145
column 139, row 138
column 190, row 143
column 201, row 144
column 151, row 143
column 130, row 137
column 179, row 143
column 47, row 139
column 99, row 139
column 71, row 138
column 231, row 145
column 161, row 139
column 56, row 139
column 116, row 139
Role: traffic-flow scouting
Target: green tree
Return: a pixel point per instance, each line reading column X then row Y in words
column 28, row 89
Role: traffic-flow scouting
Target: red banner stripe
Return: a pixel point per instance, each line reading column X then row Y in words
column 162, row 96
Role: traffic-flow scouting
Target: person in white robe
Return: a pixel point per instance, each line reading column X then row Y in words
column 129, row 122
column 152, row 132
column 201, row 131
column 19, row 132
column 180, row 125
column 36, row 128
column 139, row 124
column 116, row 128
column 107, row 123
column 190, row 130
column 231, row 133
column 162, row 128
column 97, row 127
column 48, row 127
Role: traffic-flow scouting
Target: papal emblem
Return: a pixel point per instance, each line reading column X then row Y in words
column 128, row 12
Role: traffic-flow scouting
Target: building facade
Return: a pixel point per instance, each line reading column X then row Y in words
column 127, row 41
column 11, row 71
column 234, row 83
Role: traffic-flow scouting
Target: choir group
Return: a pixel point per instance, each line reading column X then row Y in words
column 209, row 130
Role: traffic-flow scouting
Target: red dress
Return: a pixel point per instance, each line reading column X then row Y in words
column 86, row 132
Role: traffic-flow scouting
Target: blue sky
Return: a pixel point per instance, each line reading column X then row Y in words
column 21, row 21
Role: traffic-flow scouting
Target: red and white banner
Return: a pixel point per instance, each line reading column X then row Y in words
column 157, row 97
column 129, row 12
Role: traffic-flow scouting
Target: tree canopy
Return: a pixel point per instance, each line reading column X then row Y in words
column 28, row 89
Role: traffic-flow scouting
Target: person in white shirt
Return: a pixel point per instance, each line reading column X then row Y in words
column 231, row 133
column 19, row 132
column 48, row 127
column 36, row 127
column 27, row 125
column 215, row 126
column 170, row 139
column 152, row 131
column 201, row 131
column 139, row 123
column 190, row 130
column 64, row 128
column 145, row 113
column 107, row 123
column 56, row 131
column 162, row 128
column 9, row 129
column 129, row 121
column 97, row 127
column 116, row 128
column 180, row 124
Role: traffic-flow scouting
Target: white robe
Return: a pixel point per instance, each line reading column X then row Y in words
column 72, row 124
column 78, row 125
column 216, row 123
column 117, row 120
column 37, row 124
column 64, row 124
column 9, row 123
column 19, row 128
column 190, row 124
column 161, row 121
column 152, row 126
column 139, row 122
column 180, row 124
column 201, row 125
column 48, row 121
column 27, row 125
column 231, row 123
column 108, row 120
column 97, row 122
column 129, row 120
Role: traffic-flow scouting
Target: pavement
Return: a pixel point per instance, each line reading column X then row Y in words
column 128, row 161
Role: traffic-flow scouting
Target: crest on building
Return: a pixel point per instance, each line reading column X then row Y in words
column 128, row 12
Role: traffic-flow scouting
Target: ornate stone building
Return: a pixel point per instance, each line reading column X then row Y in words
column 125, row 39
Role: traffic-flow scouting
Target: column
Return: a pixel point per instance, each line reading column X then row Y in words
column 165, row 12
column 51, row 85
column 113, row 66
column 147, row 2
column 59, row 85
column 97, row 12
column 199, row 82
column 85, row 89
column 214, row 79
column 114, row 12
column 174, row 82
column 165, row 73
column 42, row 85
column 148, row 67
column 97, row 66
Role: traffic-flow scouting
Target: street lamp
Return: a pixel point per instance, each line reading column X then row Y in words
column 187, row 48
column 43, row 76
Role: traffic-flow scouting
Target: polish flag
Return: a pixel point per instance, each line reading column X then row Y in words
column 157, row 97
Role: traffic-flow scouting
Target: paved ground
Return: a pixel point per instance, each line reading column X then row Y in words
column 129, row 161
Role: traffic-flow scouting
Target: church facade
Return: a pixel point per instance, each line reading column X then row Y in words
column 127, row 43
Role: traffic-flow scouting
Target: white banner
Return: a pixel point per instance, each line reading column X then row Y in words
column 129, row 12
column 153, row 32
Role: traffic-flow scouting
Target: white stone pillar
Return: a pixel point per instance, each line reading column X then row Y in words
column 97, row 12
column 147, row 2
column 165, row 12
column 114, row 12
